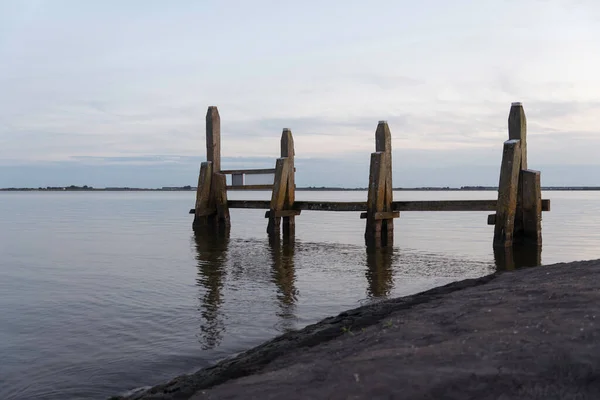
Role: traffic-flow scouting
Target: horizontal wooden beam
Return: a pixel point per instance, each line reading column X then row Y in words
column 382, row 215
column 453, row 205
column 427, row 205
column 282, row 213
column 248, row 171
column 491, row 219
column 330, row 205
column 250, row 187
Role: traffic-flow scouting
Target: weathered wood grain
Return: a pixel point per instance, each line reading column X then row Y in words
column 517, row 130
column 383, row 143
column 278, row 195
column 282, row 213
column 219, row 183
column 359, row 206
column 204, row 206
column 213, row 138
column 250, row 187
column 532, row 207
column 545, row 207
column 262, row 171
column 287, row 151
column 507, row 193
column 375, row 198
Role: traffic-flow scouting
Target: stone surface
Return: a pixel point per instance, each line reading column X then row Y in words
column 529, row 334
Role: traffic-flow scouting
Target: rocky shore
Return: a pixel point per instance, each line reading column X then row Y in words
column 529, row 334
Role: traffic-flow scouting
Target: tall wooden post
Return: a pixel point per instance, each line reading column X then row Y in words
column 380, row 224
column 282, row 170
column 375, row 198
column 507, row 194
column 383, row 142
column 211, row 195
column 287, row 151
column 517, row 130
column 532, row 207
column 527, row 224
column 213, row 138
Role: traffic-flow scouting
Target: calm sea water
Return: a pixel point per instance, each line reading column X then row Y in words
column 105, row 292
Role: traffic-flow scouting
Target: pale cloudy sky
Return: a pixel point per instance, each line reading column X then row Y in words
column 115, row 92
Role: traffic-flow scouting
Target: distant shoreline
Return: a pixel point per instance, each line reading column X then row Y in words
column 309, row 188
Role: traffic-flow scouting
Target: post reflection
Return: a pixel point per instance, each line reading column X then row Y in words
column 517, row 256
column 211, row 248
column 379, row 273
column 283, row 275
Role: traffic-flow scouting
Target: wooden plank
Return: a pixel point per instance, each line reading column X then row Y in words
column 213, row 138
column 453, row 205
column 287, row 151
column 358, row 206
column 532, row 207
column 282, row 213
column 375, row 194
column 204, row 183
column 248, row 171
column 507, row 193
column 287, row 144
column 251, row 204
column 375, row 198
column 445, row 205
column 545, row 203
column 219, row 182
column 383, row 142
column 517, row 130
column 278, row 195
column 250, row 187
column 204, row 206
column 517, row 256
column 280, row 184
column 330, row 205
column 384, row 215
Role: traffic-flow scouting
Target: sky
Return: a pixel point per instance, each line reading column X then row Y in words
column 114, row 93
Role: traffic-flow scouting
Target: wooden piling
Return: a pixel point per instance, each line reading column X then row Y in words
column 211, row 194
column 204, row 208
column 219, row 190
column 518, row 208
column 507, row 193
column 532, row 207
column 375, row 199
column 279, row 194
column 517, row 130
column 287, row 151
column 383, row 143
column 213, row 138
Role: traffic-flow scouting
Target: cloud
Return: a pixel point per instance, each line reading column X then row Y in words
column 443, row 76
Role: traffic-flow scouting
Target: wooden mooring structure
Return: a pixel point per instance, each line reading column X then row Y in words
column 518, row 208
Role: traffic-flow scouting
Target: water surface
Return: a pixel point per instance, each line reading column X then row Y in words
column 108, row 291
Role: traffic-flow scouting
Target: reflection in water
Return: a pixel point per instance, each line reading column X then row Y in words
column 517, row 256
column 284, row 276
column 211, row 247
column 379, row 271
